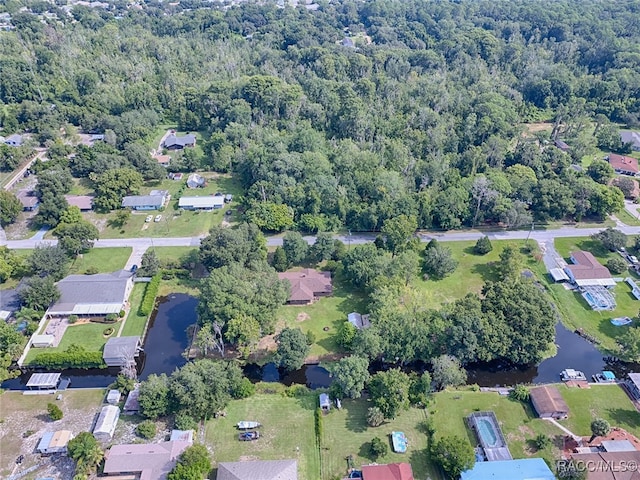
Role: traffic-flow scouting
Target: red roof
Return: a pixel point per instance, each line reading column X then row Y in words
column 391, row 471
column 307, row 284
column 626, row 164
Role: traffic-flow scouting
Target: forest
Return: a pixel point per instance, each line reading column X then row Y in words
column 345, row 116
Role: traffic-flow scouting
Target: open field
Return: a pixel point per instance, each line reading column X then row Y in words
column 328, row 312
column 288, row 432
column 346, row 433
column 105, row 260
column 20, row 414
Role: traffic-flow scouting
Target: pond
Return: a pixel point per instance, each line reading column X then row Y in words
column 313, row 375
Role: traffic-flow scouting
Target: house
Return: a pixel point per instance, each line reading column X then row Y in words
column 562, row 146
column 14, row 140
column 83, row 202
column 163, row 160
column 632, row 138
column 623, row 165
column 195, row 181
column 633, row 385
column 174, row 142
column 106, row 423
column 207, row 203
column 156, row 199
column 28, row 200
column 390, row 471
column 258, row 470
column 54, row 442
column 548, row 402
column 182, row 436
column 307, row 285
column 587, row 271
column 325, row 402
column 42, row 341
column 119, row 350
column 523, row 469
column 131, row 404
column 605, row 465
column 92, row 295
column 143, row 461
column 358, row 320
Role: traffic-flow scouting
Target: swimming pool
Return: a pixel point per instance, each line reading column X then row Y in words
column 399, row 441
column 486, row 427
column 487, row 433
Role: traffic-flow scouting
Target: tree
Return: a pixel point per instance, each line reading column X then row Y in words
column 39, row 293
column 600, row 171
column 149, row 264
column 346, row 334
column 420, row 388
column 10, row 207
column 626, row 185
column 295, row 247
column 54, row 412
column 510, row 264
column 611, row 238
column 378, row 448
column 520, row 393
column 86, row 452
column 112, row 185
column 71, row 215
column 375, row 417
column 270, row 216
column 438, row 261
column 243, row 331
column 390, row 392
column 146, row 429
column 280, row 262
column 193, row 464
column 292, row 349
column 77, row 237
column 483, row 246
column 599, row 428
column 454, row 454
column 48, row 261
column 324, row 247
column 350, row 375
column 121, row 218
column 447, row 372
column 398, row 231
column 541, row 441
column 244, row 245
column 154, row 396
column 630, row 344
column 617, row 265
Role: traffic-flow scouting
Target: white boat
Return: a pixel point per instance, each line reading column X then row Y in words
column 247, row 425
column 571, row 374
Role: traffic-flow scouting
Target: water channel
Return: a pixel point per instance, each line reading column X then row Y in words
column 166, row 340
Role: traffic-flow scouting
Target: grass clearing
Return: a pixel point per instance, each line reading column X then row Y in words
column 625, row 217
column 288, row 432
column 172, row 254
column 135, row 323
column 105, row 260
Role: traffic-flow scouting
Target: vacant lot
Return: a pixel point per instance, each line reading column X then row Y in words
column 287, row 432
column 24, row 420
column 103, row 260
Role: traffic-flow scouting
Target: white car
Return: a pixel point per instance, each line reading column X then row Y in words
column 158, row 218
column 148, row 219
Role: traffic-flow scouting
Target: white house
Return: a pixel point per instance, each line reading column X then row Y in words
column 208, row 203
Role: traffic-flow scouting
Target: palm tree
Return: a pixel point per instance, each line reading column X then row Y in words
column 84, row 449
column 599, row 428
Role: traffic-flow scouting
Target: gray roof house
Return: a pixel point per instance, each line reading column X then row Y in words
column 258, row 470
column 92, row 295
column 631, row 137
column 153, row 201
column 173, row 142
column 145, row 461
column 14, row 140
column 118, row 350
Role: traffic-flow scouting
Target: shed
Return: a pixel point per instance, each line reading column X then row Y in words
column 195, row 181
column 54, row 442
column 131, row 405
column 41, row 341
column 118, row 351
column 548, row 402
column 106, row 423
column 358, row 320
column 113, row 397
column 325, row 402
column 43, row 380
column 181, row 436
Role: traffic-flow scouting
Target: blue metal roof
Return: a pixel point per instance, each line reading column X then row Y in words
column 45, row 441
column 524, row 469
column 608, row 375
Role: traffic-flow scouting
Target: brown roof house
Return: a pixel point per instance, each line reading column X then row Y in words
column 606, row 465
column 587, row 271
column 548, row 402
column 258, row 470
column 391, row 471
column 144, row 461
column 307, row 285
column 624, row 165
column 83, row 202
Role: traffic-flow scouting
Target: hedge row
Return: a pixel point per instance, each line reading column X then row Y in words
column 70, row 359
column 318, row 425
column 150, row 294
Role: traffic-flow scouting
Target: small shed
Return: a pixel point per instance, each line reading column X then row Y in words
column 54, row 442
column 195, row 181
column 106, row 423
column 181, row 436
column 131, row 405
column 113, row 397
column 358, row 320
column 42, row 341
column 43, row 381
column 325, row 402
column 548, row 402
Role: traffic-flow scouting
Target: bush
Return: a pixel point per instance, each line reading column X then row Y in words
column 542, row 441
column 311, row 337
column 184, row 421
column 520, row 393
column 150, row 294
column 54, row 412
column 108, row 331
column 91, row 270
column 72, row 319
column 73, row 357
column 378, row 448
column 375, row 417
column 483, row 246
column 296, row 390
column 146, row 429
column 111, row 318
column 122, row 314
column 617, row 265
column 245, row 389
column 318, row 425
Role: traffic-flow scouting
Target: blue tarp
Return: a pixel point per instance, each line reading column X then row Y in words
column 524, row 469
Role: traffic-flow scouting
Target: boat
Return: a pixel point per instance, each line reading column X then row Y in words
column 247, row 425
column 571, row 374
column 604, row 377
column 248, row 436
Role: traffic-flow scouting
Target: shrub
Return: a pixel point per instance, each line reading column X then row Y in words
column 184, row 421
column 122, row 314
column 72, row 319
column 150, row 294
column 245, row 389
column 375, row 417
column 54, row 412
column 520, row 393
column 107, row 331
column 318, row 425
column 91, row 270
column 483, row 246
column 541, row 441
column 146, row 429
column 311, row 337
column 111, row 318
column 74, row 356
column 296, row 390
column 617, row 265
column 28, row 433
column 378, row 448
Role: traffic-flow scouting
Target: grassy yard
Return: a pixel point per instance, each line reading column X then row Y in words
column 105, row 260
column 565, row 246
column 328, row 312
column 346, row 433
column 172, row 254
column 288, row 432
column 135, row 323
column 625, row 217
column 604, row 401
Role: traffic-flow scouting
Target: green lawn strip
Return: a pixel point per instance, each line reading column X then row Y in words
column 287, row 425
column 625, row 217
column 135, row 323
column 519, row 424
column 346, row 433
column 601, row 401
column 105, row 260
column 172, row 254
column 328, row 312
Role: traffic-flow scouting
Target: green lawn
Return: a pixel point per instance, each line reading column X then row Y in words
column 104, row 259
column 328, row 312
column 346, row 433
column 517, row 421
column 172, row 254
column 625, row 217
column 288, row 432
column 604, row 401
column 565, row 246
column 135, row 323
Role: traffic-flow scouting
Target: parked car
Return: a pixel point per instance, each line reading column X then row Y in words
column 633, row 259
column 148, row 219
column 158, row 218
column 134, row 268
